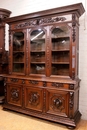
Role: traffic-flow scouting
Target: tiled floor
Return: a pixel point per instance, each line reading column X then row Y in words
column 15, row 121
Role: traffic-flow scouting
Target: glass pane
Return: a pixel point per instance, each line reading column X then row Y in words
column 60, row 50
column 18, row 67
column 37, row 53
column 18, row 52
column 18, row 41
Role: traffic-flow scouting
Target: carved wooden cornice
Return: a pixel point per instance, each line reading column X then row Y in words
column 40, row 21
column 4, row 13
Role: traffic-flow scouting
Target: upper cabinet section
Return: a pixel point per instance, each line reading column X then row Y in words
column 45, row 43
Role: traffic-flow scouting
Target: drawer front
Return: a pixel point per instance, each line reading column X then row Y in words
column 34, row 83
column 14, row 94
column 33, row 98
column 14, row 80
column 57, row 102
column 58, row 85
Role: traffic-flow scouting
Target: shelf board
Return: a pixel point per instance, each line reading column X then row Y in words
column 37, row 62
column 37, row 51
column 60, row 62
column 18, row 62
column 61, row 37
column 60, row 50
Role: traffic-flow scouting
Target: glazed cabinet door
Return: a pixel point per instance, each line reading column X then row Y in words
column 14, row 94
column 17, row 52
column 60, row 50
column 37, row 51
column 33, row 98
column 57, row 102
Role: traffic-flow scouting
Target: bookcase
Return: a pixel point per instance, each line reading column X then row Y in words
column 3, row 53
column 43, row 64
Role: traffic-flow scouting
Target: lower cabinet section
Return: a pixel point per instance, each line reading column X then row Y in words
column 58, row 103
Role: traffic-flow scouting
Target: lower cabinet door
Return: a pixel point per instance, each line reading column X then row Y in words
column 57, row 102
column 14, row 94
column 34, row 98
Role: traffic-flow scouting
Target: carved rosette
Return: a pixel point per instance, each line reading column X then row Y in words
column 34, row 98
column 15, row 94
column 57, row 102
column 71, row 86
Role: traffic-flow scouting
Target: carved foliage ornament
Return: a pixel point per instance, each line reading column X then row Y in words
column 74, row 28
column 58, row 85
column 34, row 98
column 57, row 102
column 15, row 94
column 41, row 21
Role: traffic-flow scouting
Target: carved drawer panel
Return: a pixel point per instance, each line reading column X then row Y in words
column 34, row 83
column 61, row 85
column 57, row 102
column 14, row 94
column 14, row 80
column 33, row 98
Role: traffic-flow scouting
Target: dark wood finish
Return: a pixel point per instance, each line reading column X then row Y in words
column 43, row 64
column 3, row 54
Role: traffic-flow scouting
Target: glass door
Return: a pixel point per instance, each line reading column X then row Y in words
column 60, row 39
column 18, row 52
column 37, row 52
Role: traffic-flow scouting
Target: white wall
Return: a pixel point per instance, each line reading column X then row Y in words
column 19, row 7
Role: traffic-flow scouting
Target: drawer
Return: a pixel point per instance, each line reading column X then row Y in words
column 14, row 80
column 58, row 85
column 34, row 83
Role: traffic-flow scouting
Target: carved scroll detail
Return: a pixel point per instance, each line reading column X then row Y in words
column 40, row 21
column 33, row 82
column 14, row 80
column 57, row 85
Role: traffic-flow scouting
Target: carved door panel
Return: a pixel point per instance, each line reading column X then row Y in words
column 34, row 98
column 57, row 102
column 14, row 94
